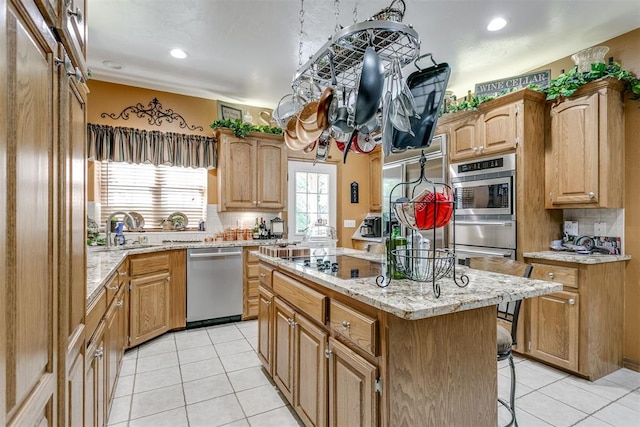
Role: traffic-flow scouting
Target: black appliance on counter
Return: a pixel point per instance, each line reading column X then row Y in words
column 371, row 227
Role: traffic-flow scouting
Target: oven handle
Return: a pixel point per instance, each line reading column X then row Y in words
column 498, row 223
column 470, row 251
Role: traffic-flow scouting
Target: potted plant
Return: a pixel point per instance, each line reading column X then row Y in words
column 241, row 129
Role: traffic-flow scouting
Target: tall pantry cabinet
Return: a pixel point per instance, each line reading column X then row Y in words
column 42, row 213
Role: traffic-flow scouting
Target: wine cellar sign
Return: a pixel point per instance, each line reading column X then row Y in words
column 495, row 87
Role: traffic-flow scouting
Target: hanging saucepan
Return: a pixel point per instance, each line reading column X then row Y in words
column 369, row 91
column 322, row 146
column 427, row 87
column 339, row 118
column 289, row 105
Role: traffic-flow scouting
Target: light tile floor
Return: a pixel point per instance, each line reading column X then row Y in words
column 212, row 377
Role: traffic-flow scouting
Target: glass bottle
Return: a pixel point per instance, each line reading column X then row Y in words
column 398, row 248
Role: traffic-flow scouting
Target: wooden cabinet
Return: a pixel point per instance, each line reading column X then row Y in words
column 554, row 329
column 250, row 281
column 149, row 297
column 95, row 384
column 580, row 328
column 265, row 328
column 585, row 154
column 352, row 392
column 31, row 341
column 491, row 130
column 252, row 172
column 375, row 181
column 283, row 347
column 115, row 341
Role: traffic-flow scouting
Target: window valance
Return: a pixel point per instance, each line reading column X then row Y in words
column 124, row 144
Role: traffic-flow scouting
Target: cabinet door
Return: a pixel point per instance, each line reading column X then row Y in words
column 265, row 327
column 149, row 307
column 352, row 396
column 375, row 181
column 572, row 163
column 94, row 393
column 271, row 181
column 239, row 181
column 464, row 138
column 498, row 128
column 283, row 347
column 554, row 329
column 28, row 229
column 115, row 336
column 75, row 390
column 310, row 372
column 250, row 281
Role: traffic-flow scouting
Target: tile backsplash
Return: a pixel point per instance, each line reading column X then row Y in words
column 215, row 222
column 613, row 218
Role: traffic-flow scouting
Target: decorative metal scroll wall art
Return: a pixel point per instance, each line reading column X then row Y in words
column 154, row 114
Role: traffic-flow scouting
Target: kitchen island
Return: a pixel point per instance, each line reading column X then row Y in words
column 358, row 354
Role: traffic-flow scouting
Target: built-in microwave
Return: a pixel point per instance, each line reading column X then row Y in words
column 485, row 187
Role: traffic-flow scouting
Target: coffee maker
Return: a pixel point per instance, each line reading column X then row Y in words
column 371, row 227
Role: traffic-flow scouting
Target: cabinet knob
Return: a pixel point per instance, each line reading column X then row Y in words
column 258, row 202
column 592, row 195
column 328, row 353
column 113, row 288
column 99, row 352
column 268, row 303
column 550, row 196
column 572, row 301
column 475, row 149
column 122, row 273
column 119, row 304
column 169, row 279
column 77, row 13
column 262, row 275
column 550, row 275
column 255, row 202
column 346, row 324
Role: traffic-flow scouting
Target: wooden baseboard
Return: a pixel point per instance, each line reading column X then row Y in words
column 634, row 365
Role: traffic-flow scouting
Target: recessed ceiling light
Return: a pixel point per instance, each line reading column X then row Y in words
column 112, row 64
column 178, row 53
column 497, row 24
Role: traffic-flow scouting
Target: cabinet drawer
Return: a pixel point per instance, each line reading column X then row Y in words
column 95, row 313
column 149, row 264
column 252, row 270
column 265, row 275
column 313, row 304
column 566, row 275
column 252, row 288
column 251, row 258
column 112, row 286
column 359, row 328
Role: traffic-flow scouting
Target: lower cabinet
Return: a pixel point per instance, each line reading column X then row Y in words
column 579, row 329
column 554, row 329
column 352, row 395
column 115, row 340
column 326, row 381
column 94, row 383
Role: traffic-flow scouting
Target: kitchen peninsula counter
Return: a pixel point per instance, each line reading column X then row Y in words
column 576, row 258
column 395, row 356
column 102, row 262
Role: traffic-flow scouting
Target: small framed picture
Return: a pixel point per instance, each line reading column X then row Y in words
column 228, row 112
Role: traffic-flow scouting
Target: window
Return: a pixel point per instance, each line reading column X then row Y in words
column 312, row 190
column 155, row 192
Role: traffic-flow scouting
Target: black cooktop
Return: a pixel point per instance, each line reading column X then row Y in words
column 341, row 266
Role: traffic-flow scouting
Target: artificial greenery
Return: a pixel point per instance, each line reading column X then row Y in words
column 242, row 129
column 564, row 85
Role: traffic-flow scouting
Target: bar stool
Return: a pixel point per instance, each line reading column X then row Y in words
column 507, row 314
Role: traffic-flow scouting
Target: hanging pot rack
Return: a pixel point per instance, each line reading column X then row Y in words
column 391, row 41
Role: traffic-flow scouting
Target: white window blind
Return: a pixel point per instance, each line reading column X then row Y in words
column 155, row 192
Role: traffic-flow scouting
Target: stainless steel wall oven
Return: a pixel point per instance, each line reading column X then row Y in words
column 485, row 206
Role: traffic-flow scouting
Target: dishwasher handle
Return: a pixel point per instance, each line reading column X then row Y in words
column 215, row 255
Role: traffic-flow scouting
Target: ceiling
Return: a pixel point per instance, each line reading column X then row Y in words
column 246, row 51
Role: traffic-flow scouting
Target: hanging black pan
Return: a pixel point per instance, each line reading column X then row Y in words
column 427, row 87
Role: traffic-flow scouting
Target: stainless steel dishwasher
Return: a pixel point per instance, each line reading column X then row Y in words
column 214, row 285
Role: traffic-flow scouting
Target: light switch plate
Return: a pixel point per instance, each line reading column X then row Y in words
column 349, row 223
column 600, row 228
column 571, row 228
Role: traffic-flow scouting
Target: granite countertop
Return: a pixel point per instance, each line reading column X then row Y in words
column 415, row 300
column 102, row 262
column 566, row 256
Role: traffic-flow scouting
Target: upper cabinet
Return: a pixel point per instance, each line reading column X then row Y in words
column 252, row 172
column 68, row 18
column 491, row 129
column 584, row 160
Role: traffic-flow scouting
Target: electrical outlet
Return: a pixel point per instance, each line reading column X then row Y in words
column 349, row 223
column 600, row 228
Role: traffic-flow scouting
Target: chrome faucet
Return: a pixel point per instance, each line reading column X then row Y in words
column 107, row 229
